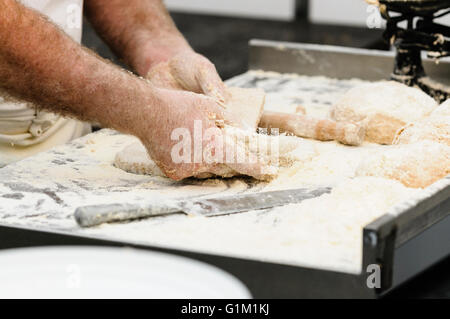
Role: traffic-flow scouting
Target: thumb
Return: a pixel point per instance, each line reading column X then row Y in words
column 196, row 73
column 211, row 84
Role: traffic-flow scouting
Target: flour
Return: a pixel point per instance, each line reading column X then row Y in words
column 442, row 110
column 417, row 165
column 432, row 128
column 290, row 92
column 325, row 232
column 383, row 107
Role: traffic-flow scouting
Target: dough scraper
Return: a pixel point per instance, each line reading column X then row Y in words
column 94, row 215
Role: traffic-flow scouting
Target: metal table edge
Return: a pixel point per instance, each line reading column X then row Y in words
column 263, row 279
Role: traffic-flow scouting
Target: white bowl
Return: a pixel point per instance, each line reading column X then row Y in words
column 100, row 272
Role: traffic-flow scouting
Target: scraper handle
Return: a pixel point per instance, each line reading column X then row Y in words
column 88, row 216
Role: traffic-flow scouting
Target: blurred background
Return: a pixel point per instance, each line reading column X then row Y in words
column 221, row 29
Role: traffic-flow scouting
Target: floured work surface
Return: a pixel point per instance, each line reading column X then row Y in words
column 326, row 232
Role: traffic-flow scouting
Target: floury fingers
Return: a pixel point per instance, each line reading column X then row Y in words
column 224, row 146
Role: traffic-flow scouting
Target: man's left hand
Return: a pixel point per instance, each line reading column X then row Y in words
column 190, row 71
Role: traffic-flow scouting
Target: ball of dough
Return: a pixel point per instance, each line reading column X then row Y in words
column 432, row 128
column 383, row 108
column 276, row 151
column 415, row 165
column 135, row 159
column 435, row 127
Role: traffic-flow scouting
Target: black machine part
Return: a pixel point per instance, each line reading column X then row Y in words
column 421, row 7
column 422, row 33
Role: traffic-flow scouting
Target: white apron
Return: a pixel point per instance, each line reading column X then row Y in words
column 23, row 131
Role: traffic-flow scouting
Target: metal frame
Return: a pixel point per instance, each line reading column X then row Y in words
column 333, row 61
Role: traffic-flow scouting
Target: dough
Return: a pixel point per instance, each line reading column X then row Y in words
column 245, row 107
column 383, row 107
column 442, row 110
column 310, row 127
column 415, row 165
column 431, row 128
column 244, row 111
column 435, row 127
column 134, row 158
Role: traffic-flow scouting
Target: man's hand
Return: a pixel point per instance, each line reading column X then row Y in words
column 183, row 136
column 42, row 65
column 182, row 133
column 143, row 34
column 191, row 72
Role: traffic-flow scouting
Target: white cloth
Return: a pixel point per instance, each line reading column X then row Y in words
column 25, row 131
column 67, row 14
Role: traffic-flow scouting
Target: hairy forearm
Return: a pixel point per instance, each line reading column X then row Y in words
column 139, row 31
column 42, row 65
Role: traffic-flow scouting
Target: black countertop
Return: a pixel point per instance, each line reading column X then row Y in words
column 225, row 42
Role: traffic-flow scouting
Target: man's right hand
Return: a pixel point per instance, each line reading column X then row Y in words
column 183, row 135
column 181, row 118
column 62, row 77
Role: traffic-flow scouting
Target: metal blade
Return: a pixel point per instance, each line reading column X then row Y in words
column 88, row 216
column 242, row 203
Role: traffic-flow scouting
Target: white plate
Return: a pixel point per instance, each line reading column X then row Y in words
column 99, row 272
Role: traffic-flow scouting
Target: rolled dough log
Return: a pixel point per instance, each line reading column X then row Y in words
column 383, row 107
column 244, row 112
column 415, row 165
column 310, row 127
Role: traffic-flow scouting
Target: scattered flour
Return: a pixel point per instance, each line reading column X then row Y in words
column 324, row 232
column 415, row 165
column 383, row 107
